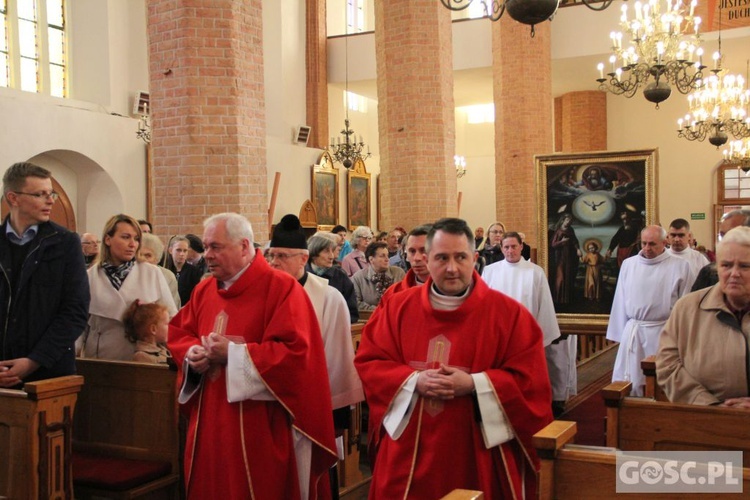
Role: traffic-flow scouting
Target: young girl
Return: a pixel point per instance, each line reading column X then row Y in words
column 147, row 325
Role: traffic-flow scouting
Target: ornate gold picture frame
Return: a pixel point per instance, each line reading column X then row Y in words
column 592, row 208
column 325, row 192
column 359, row 207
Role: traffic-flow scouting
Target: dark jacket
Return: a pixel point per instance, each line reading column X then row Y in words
column 49, row 308
column 338, row 279
column 188, row 278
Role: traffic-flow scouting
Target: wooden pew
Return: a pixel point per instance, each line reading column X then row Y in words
column 464, row 495
column 125, row 437
column 645, row 424
column 36, row 426
column 648, row 366
column 581, row 472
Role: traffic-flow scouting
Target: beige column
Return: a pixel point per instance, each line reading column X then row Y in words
column 414, row 58
column 581, row 122
column 316, row 62
column 208, row 110
column 522, row 73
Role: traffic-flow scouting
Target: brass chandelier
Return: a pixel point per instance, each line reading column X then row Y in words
column 717, row 109
column 664, row 51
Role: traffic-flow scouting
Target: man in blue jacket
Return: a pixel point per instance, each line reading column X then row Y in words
column 44, row 291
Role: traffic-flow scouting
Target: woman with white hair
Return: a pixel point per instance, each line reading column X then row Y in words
column 702, row 357
column 151, row 251
column 322, row 250
column 356, row 260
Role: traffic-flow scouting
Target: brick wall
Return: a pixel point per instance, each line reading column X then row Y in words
column 316, row 62
column 414, row 59
column 208, row 110
column 522, row 73
column 581, row 122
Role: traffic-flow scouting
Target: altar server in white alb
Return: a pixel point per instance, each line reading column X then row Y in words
column 679, row 238
column 648, row 287
column 527, row 283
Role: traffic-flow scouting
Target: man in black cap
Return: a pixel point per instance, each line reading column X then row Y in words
column 288, row 253
column 195, row 253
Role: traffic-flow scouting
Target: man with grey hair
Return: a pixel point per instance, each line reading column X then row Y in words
column 288, row 253
column 254, row 376
column 90, row 248
column 648, row 286
column 708, row 276
column 44, row 290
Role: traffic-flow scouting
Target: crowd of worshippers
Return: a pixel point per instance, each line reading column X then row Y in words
column 461, row 356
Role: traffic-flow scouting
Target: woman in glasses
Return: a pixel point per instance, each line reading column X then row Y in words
column 356, row 260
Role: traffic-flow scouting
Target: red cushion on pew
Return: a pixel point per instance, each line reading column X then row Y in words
column 118, row 474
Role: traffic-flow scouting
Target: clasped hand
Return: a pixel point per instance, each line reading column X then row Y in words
column 444, row 383
column 213, row 351
column 13, row 371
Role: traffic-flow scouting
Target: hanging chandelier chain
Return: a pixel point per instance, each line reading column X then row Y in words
column 351, row 149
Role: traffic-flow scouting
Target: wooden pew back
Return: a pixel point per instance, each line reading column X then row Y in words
column 645, row 424
column 582, row 472
column 128, row 411
column 36, row 425
column 648, row 366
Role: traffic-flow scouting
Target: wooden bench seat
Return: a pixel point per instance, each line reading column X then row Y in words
column 125, row 437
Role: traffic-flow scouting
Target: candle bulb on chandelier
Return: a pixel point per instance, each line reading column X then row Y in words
column 600, row 66
column 716, row 57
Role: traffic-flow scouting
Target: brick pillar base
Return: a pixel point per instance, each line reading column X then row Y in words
column 208, row 107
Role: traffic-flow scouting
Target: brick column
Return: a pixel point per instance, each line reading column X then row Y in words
column 522, row 74
column 316, row 62
column 581, row 122
column 414, row 55
column 209, row 135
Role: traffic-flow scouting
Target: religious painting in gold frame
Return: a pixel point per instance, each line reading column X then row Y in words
column 358, row 196
column 592, row 207
column 325, row 192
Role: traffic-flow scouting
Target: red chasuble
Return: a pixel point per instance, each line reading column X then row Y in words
column 246, row 449
column 442, row 447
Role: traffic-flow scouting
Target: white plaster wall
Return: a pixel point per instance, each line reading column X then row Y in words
column 90, row 148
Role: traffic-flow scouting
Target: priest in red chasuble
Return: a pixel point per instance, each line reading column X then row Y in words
column 255, row 384
column 456, row 380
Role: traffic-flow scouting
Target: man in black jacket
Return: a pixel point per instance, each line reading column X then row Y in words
column 44, row 290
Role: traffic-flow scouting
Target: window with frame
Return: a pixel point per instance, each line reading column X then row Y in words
column 355, row 16
column 33, row 46
column 733, row 186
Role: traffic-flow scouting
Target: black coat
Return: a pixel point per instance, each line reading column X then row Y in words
column 338, row 279
column 49, row 309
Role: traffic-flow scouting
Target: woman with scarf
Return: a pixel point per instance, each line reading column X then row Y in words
column 371, row 283
column 116, row 281
column 322, row 249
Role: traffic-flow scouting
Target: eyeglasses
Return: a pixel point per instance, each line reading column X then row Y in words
column 281, row 256
column 42, row 195
column 496, row 232
column 90, row 242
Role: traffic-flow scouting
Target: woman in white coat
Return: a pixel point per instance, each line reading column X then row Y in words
column 116, row 280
